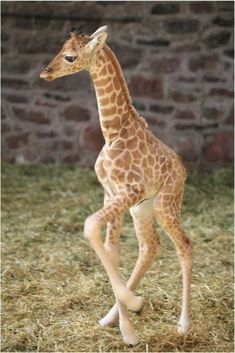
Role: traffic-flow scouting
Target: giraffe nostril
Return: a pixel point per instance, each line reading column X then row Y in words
column 47, row 69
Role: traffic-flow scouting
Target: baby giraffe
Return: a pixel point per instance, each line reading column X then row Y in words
column 137, row 172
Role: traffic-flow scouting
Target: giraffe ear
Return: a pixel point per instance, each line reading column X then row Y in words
column 103, row 29
column 98, row 39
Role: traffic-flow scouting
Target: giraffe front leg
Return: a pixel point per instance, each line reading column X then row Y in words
column 111, row 246
column 149, row 246
column 93, row 232
column 126, row 327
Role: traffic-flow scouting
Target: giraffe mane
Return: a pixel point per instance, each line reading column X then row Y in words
column 120, row 76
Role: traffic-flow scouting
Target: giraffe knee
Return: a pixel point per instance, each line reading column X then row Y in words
column 92, row 228
column 151, row 248
column 186, row 250
column 188, row 245
column 110, row 248
column 112, row 251
column 156, row 246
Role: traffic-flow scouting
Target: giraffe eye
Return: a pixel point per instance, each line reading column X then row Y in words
column 70, row 58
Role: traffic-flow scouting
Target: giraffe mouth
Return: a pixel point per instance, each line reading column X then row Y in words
column 46, row 77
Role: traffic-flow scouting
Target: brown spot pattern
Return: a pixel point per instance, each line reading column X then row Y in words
column 104, row 101
column 113, row 97
column 109, row 88
column 140, row 134
column 114, row 123
column 143, row 148
column 116, row 83
column 131, row 143
column 120, row 99
column 110, row 69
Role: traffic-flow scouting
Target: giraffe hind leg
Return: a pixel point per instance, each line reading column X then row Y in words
column 167, row 206
column 149, row 243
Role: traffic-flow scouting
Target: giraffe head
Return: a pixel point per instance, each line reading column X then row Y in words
column 78, row 53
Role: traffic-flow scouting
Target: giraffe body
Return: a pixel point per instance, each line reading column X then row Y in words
column 137, row 172
column 131, row 154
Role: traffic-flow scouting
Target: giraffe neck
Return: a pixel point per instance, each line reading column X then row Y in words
column 113, row 98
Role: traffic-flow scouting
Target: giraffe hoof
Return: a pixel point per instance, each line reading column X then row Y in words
column 108, row 320
column 128, row 333
column 183, row 327
column 132, row 340
column 111, row 317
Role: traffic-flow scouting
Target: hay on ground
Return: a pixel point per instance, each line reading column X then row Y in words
column 54, row 289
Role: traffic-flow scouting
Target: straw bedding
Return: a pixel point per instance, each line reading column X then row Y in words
column 54, row 289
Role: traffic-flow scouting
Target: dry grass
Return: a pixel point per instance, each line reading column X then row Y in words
column 54, row 290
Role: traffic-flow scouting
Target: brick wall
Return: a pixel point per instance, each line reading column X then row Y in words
column 177, row 58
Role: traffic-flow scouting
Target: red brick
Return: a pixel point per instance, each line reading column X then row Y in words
column 128, row 57
column 165, row 8
column 186, row 48
column 3, row 112
column 221, row 148
column 227, row 6
column 203, row 62
column 221, row 92
column 223, row 21
column 155, row 121
column 38, row 117
column 17, row 141
column 93, row 139
column 165, row 65
column 181, row 97
column 230, row 117
column 212, row 113
column 187, row 79
column 47, row 159
column 187, row 148
column 163, row 109
column 61, row 145
column 182, row 26
column 5, row 127
column 229, row 53
column 46, row 134
column 185, row 115
column 16, row 83
column 146, row 87
column 217, row 39
column 46, row 103
column 76, row 113
column 157, row 42
column 15, row 98
column 200, row 7
column 71, row 159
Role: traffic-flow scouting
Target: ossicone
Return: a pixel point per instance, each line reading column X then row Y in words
column 75, row 30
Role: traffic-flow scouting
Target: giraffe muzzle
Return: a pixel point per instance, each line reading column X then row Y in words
column 46, row 73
